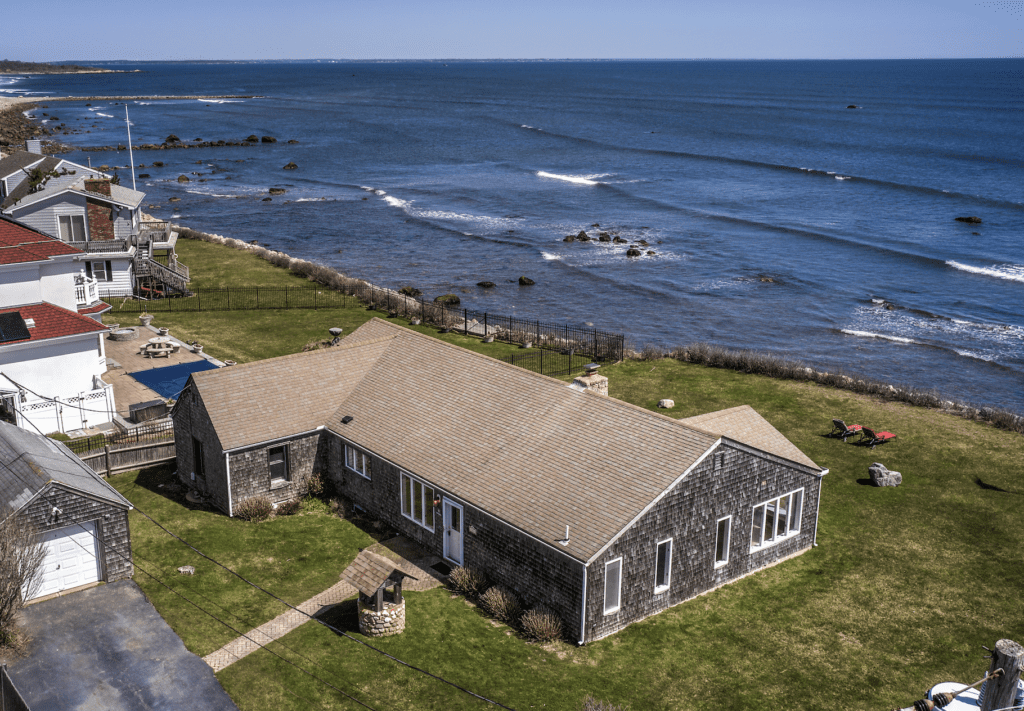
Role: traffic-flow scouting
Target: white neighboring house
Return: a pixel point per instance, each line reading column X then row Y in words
column 81, row 206
column 52, row 355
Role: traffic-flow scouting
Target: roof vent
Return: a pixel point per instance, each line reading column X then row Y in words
column 346, row 419
column 30, row 323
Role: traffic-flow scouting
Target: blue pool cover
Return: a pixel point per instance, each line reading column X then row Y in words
column 170, row 381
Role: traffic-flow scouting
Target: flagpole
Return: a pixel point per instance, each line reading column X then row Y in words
column 131, row 156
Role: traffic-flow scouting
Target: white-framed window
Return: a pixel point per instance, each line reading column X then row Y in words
column 100, row 271
column 277, row 463
column 722, row 541
column 72, row 228
column 663, row 566
column 612, row 586
column 777, row 519
column 417, row 501
column 357, row 461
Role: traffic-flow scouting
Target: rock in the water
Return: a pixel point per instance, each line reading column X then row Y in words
column 569, row 238
column 633, row 252
column 172, row 139
column 268, row 139
column 174, row 199
column 267, row 200
column 853, row 106
column 583, row 236
column 158, row 164
column 293, row 141
column 880, row 476
column 767, row 280
column 972, row 220
column 143, row 175
column 253, row 138
column 277, row 191
column 651, row 252
column 485, row 284
column 526, row 281
column 410, row 291
column 666, row 403
column 604, row 237
column 290, row 166
column 619, row 240
column 182, row 178
column 448, row 300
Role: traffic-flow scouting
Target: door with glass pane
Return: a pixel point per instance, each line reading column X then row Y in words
column 452, row 531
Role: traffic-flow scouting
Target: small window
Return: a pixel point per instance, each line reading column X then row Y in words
column 277, row 462
column 72, row 228
column 197, row 458
column 100, row 271
column 612, row 586
column 357, row 461
column 722, row 541
column 663, row 566
column 418, row 501
column 777, row 520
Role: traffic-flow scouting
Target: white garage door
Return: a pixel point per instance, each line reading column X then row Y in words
column 71, row 559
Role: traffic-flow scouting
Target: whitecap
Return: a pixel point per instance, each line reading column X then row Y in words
column 976, row 356
column 842, row 177
column 104, row 115
column 550, row 256
column 1011, row 272
column 395, row 202
column 578, row 179
column 877, row 301
column 870, row 334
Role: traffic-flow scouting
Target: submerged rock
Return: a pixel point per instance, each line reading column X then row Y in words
column 633, row 252
column 604, row 237
column 526, row 281
column 253, row 138
column 569, row 238
column 290, row 166
column 971, row 220
column 268, row 139
column 172, row 139
column 448, row 300
column 277, row 191
column 485, row 284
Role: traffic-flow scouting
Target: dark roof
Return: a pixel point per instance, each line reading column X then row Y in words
column 53, row 322
column 21, row 243
column 17, row 161
column 29, row 461
column 21, row 190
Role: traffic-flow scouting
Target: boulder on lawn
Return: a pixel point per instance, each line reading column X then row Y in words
column 880, row 476
column 290, row 166
column 666, row 403
column 526, row 281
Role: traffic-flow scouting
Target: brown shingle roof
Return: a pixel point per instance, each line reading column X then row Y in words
column 369, row 571
column 745, row 425
column 523, row 447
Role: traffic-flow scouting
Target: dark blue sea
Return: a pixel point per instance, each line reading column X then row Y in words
column 780, row 219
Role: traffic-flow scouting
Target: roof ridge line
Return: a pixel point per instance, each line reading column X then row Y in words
column 546, row 378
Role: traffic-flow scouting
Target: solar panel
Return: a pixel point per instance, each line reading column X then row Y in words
column 13, row 328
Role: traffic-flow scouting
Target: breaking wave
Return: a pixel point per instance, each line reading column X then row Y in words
column 1012, row 272
column 578, row 179
column 870, row 334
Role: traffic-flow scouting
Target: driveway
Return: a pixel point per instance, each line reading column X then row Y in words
column 108, row 648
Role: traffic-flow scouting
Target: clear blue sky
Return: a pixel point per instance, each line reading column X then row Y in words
column 505, row 29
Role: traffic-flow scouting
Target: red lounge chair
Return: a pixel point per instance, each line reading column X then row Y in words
column 874, row 438
column 841, row 429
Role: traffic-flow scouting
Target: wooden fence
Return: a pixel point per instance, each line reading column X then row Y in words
column 10, row 699
column 116, row 458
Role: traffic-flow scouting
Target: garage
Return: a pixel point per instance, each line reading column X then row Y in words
column 72, row 559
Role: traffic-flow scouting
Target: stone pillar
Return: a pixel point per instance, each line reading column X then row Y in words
column 592, row 381
column 389, row 621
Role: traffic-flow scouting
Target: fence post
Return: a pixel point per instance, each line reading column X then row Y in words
column 423, row 311
column 257, row 298
column 536, row 333
column 465, row 322
column 229, row 298
column 542, row 361
column 106, row 458
column 486, row 332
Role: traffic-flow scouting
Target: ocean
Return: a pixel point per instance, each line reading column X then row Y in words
column 779, row 219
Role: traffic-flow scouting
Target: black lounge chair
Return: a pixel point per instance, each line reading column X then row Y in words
column 841, row 429
column 869, row 437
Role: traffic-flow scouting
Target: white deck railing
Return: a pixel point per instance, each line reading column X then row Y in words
column 87, row 292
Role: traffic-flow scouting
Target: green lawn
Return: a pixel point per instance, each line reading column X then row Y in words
column 903, row 588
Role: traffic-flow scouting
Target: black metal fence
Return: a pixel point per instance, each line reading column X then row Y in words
column 547, row 362
column 598, row 345
column 10, row 699
column 146, row 433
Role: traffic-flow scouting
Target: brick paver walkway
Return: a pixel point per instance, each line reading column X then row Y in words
column 277, row 627
column 398, row 551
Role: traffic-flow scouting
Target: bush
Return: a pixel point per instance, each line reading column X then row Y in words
column 501, row 604
column 541, row 625
column 289, row 508
column 466, row 581
column 315, row 485
column 592, row 704
column 255, row 509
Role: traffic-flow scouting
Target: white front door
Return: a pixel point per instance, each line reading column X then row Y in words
column 71, row 559
column 453, row 532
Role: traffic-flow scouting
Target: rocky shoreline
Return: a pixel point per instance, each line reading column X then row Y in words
column 15, row 127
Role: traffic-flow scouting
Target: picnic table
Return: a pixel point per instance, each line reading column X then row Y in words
column 159, row 347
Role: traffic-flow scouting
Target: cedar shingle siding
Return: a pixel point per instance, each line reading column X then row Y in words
column 524, row 455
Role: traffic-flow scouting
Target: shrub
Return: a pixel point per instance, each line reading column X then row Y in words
column 255, row 509
column 541, row 625
column 289, row 508
column 501, row 605
column 315, row 485
column 592, row 704
column 466, row 581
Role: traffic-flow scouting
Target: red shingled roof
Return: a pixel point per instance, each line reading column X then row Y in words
column 54, row 322
column 20, row 243
column 101, row 307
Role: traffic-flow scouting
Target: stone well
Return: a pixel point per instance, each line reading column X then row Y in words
column 389, row 621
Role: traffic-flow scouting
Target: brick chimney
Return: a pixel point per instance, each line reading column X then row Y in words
column 101, row 186
column 592, row 381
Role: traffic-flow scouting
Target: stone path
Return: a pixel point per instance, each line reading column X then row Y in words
column 399, row 551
